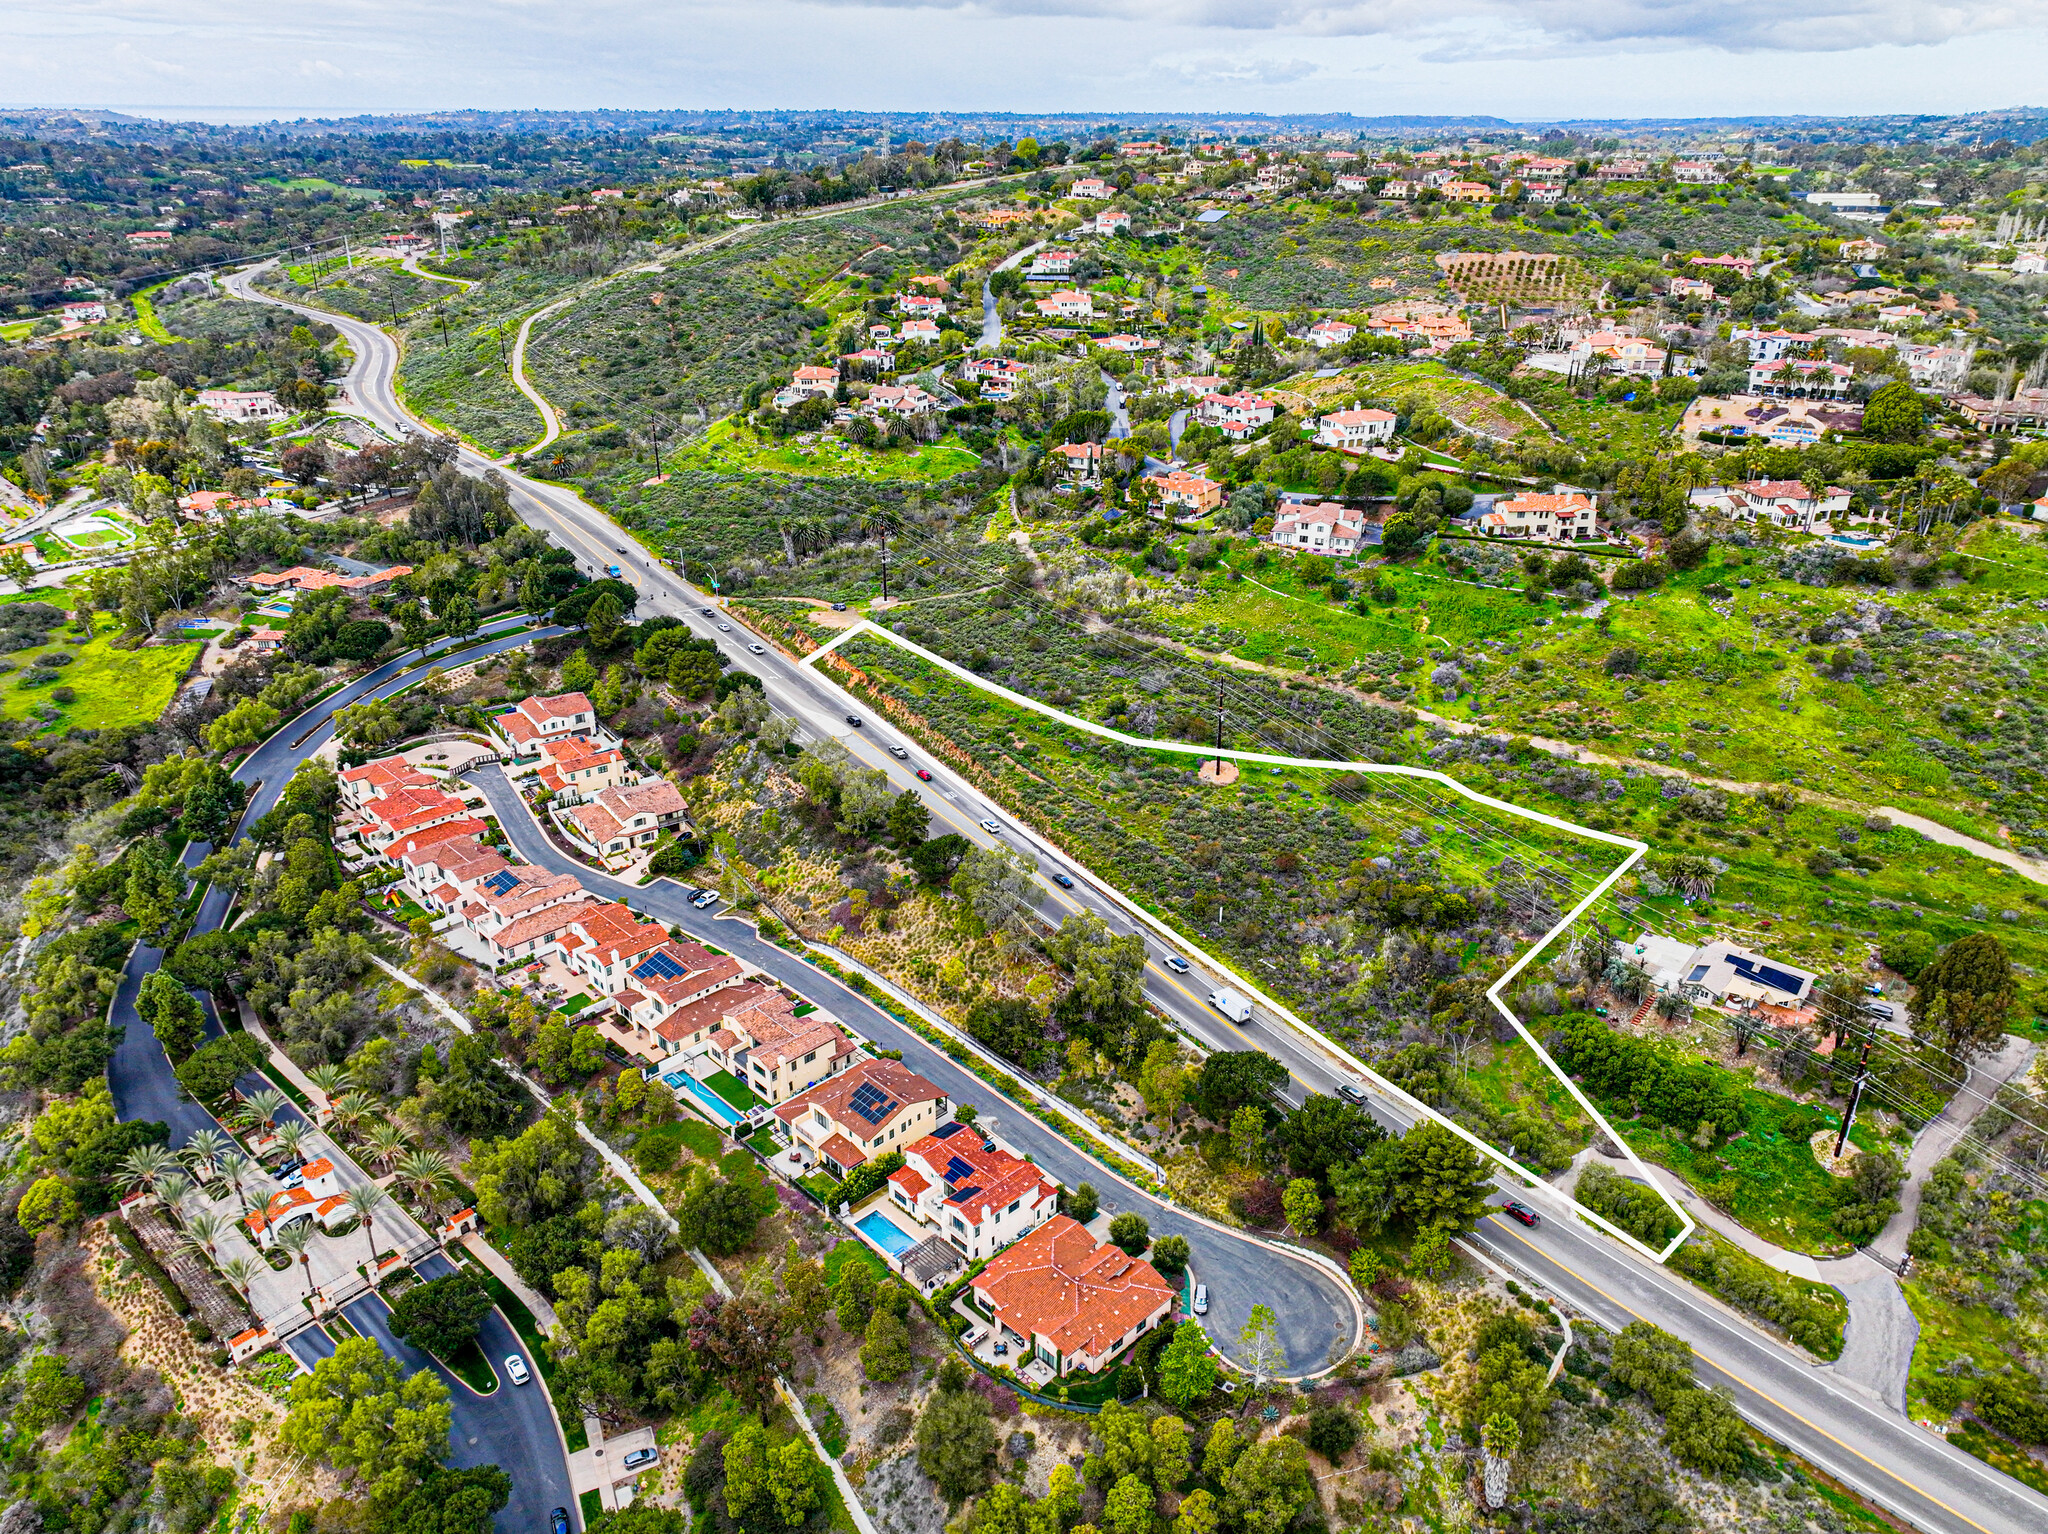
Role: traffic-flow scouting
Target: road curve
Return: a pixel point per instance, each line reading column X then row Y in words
column 1896, row 1464
column 1313, row 1311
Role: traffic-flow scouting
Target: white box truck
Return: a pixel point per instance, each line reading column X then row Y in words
column 1231, row 1005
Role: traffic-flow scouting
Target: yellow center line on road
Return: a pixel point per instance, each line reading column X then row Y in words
column 1751, row 1387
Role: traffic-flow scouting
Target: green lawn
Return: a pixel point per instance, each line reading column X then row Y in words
column 729, row 448
column 114, row 687
column 729, row 1087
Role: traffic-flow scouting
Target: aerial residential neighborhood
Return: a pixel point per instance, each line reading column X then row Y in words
column 1252, row 820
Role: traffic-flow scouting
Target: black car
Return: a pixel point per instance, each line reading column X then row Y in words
column 1519, row 1211
column 854, row 720
column 1063, row 881
column 558, row 1521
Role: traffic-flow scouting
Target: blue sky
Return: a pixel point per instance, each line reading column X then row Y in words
column 1523, row 59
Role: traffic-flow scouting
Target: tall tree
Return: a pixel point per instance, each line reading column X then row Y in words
column 1964, row 997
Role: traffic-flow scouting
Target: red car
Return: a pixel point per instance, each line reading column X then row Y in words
column 923, row 775
column 1521, row 1212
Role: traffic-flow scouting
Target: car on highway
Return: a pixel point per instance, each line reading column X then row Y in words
column 515, row 1366
column 704, row 899
column 725, row 628
column 709, row 612
column 1177, row 964
column 757, row 649
column 1514, row 1209
column 991, row 825
column 923, row 776
column 640, row 1457
column 899, row 753
column 1351, row 1094
column 854, row 720
column 612, row 571
column 1063, row 881
column 1201, row 1299
column 558, row 1521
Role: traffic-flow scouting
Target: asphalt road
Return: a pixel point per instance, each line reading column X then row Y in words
column 512, row 1428
column 1898, row 1465
column 1313, row 1312
column 516, row 1432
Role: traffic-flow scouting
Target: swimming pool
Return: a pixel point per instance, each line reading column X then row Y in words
column 885, row 1233
column 681, row 1082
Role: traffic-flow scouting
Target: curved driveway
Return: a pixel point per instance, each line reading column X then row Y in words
column 514, row 1428
column 1313, row 1310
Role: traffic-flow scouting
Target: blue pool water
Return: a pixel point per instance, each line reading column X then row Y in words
column 716, row 1106
column 885, row 1233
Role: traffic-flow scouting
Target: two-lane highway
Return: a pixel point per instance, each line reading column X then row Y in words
column 1898, row 1465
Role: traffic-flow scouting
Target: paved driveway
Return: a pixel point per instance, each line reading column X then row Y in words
column 1313, row 1311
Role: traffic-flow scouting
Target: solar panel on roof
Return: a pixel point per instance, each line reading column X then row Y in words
column 501, row 881
column 957, row 1169
column 659, row 966
column 871, row 1102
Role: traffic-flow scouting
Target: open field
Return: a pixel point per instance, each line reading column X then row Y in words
column 114, row 687
column 730, row 447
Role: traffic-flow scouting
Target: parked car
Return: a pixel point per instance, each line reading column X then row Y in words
column 291, row 1180
column 1177, row 964
column 558, row 1521
column 1882, row 1010
column 704, row 898
column 515, row 1366
column 1351, row 1094
column 854, row 720
column 899, row 753
column 1201, row 1299
column 839, row 607
column 1516, row 1210
column 641, row 1457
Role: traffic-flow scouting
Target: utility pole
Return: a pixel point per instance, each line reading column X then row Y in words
column 442, row 310
column 885, row 567
column 1856, row 1091
column 348, row 253
column 1219, row 729
column 654, row 432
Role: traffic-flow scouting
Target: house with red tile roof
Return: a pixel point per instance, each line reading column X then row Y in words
column 1074, row 1302
column 1067, row 304
column 574, row 767
column 675, row 996
column 777, row 1053
column 1355, row 430
column 1237, row 415
column 1177, row 487
column 616, row 820
column 1562, row 518
column 306, row 578
column 867, row 1110
column 544, row 931
column 359, row 785
column 1091, row 187
column 1320, row 527
column 520, row 730
column 1327, row 333
column 1786, row 503
column 1082, row 461
column 394, row 815
column 605, row 940
column 977, row 1197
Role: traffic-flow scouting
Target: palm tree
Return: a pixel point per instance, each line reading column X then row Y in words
column 426, row 1174
column 239, row 1271
column 294, row 1238
column 262, row 1107
column 172, row 1187
column 236, row 1168
column 349, row 1110
column 203, row 1229
column 203, row 1152
column 363, row 1200
column 291, row 1137
column 142, row 1166
column 383, row 1143
column 331, row 1079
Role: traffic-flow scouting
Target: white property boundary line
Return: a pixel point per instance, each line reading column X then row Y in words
column 1315, row 1040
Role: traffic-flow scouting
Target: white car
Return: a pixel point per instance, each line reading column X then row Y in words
column 1201, row 1299
column 899, row 753
column 725, row 628
column 516, row 1367
column 705, row 898
column 992, row 826
column 758, row 649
